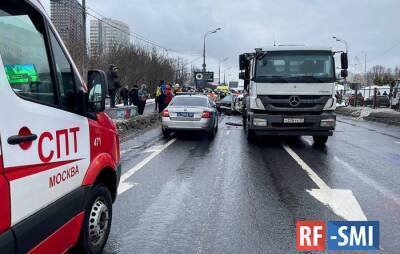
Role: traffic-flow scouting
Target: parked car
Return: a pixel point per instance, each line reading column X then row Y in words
column 224, row 105
column 190, row 113
column 237, row 105
column 381, row 101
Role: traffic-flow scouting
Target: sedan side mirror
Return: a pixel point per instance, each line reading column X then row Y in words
column 97, row 87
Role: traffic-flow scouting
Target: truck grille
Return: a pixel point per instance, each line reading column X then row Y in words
column 294, row 103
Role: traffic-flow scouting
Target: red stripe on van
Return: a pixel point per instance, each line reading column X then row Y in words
column 63, row 239
column 5, row 208
column 13, row 173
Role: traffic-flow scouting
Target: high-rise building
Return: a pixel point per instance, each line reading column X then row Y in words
column 66, row 16
column 106, row 34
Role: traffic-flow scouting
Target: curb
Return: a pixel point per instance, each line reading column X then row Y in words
column 373, row 117
column 136, row 124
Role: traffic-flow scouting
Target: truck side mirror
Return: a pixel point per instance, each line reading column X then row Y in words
column 344, row 61
column 242, row 75
column 97, row 87
column 344, row 73
column 242, row 62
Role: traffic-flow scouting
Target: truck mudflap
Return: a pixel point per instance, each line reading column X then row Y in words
column 292, row 125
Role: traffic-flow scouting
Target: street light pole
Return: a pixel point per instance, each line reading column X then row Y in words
column 219, row 69
column 224, row 74
column 204, row 46
column 343, row 41
column 365, row 73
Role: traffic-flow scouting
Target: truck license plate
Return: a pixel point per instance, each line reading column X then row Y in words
column 293, row 120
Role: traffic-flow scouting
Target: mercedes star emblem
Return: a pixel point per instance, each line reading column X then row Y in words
column 294, row 101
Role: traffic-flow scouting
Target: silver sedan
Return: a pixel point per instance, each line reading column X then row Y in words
column 190, row 112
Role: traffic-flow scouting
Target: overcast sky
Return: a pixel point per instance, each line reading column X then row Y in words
column 370, row 26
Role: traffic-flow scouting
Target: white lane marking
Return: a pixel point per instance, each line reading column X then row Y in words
column 370, row 182
column 397, row 142
column 124, row 186
column 129, row 149
column 228, row 132
column 316, row 179
column 130, row 172
column 341, row 202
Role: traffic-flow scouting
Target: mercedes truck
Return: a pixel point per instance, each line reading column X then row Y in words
column 290, row 91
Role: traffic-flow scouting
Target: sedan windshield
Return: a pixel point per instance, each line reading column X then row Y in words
column 299, row 66
column 189, row 101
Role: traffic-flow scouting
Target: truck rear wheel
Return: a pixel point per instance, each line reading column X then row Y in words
column 97, row 222
column 320, row 140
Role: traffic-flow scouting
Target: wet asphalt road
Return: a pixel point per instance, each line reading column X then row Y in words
column 229, row 196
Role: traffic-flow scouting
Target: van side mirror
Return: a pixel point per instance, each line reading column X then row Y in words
column 344, row 61
column 344, row 73
column 243, row 62
column 97, row 87
column 242, row 75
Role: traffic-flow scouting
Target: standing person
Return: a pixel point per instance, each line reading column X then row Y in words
column 124, row 93
column 113, row 83
column 133, row 96
column 142, row 93
column 168, row 95
column 161, row 98
column 157, row 98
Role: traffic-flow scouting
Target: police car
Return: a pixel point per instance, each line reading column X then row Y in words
column 59, row 153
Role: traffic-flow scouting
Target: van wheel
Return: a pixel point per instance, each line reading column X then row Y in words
column 320, row 140
column 97, row 222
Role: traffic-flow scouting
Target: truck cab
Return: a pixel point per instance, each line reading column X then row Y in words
column 290, row 91
column 59, row 152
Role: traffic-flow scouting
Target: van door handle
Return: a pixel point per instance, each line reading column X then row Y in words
column 17, row 139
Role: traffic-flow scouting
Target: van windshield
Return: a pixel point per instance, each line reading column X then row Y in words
column 295, row 66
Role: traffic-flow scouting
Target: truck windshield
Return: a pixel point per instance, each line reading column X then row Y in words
column 295, row 66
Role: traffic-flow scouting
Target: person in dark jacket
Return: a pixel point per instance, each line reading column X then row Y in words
column 143, row 95
column 161, row 98
column 124, row 93
column 113, row 83
column 133, row 96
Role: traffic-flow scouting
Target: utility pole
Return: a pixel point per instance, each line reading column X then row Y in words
column 84, row 38
column 365, row 73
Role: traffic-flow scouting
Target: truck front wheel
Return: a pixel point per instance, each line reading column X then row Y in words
column 97, row 222
column 320, row 140
column 249, row 134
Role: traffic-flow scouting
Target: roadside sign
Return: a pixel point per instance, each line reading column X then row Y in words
column 206, row 76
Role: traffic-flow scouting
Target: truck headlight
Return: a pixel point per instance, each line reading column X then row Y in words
column 330, row 104
column 260, row 122
column 328, row 123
